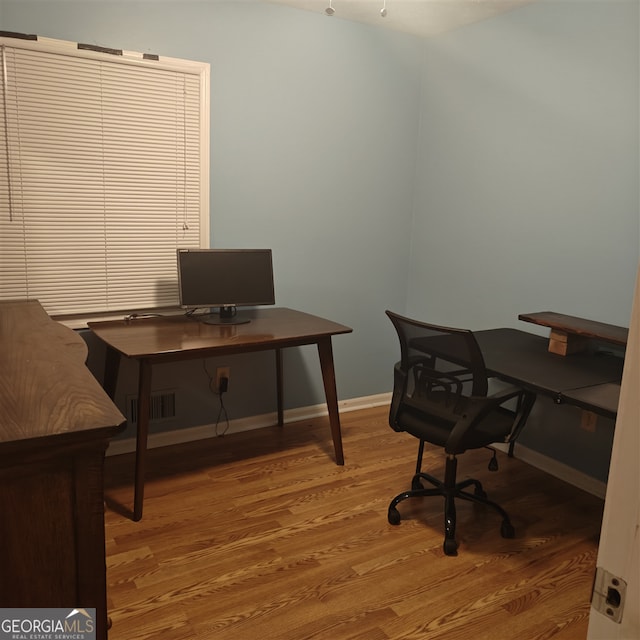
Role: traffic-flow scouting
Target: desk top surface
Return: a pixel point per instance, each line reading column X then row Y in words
column 174, row 336
column 604, row 397
column 522, row 358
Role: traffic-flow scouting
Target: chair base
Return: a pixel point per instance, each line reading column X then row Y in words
column 450, row 490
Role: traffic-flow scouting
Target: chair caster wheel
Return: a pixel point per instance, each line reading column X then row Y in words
column 393, row 516
column 507, row 530
column 450, row 547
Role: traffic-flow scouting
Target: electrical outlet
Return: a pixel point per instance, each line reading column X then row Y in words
column 588, row 421
column 222, row 373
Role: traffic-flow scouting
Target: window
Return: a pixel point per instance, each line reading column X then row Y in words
column 103, row 174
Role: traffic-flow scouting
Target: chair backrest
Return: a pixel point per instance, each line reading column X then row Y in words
column 440, row 359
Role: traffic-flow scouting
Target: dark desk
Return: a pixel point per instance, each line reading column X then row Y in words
column 170, row 338
column 587, row 380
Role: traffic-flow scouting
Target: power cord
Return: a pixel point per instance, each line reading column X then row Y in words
column 493, row 463
column 222, row 411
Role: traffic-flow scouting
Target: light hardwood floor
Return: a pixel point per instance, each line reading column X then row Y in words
column 261, row 535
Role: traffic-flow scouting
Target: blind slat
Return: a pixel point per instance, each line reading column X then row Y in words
column 102, row 162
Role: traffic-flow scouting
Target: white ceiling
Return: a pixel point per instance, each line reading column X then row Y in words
column 418, row 17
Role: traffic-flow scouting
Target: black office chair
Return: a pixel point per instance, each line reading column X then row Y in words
column 440, row 397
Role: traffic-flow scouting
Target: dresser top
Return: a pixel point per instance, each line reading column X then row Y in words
column 46, row 391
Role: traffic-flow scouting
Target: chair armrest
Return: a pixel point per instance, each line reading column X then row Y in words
column 480, row 408
column 507, row 393
column 400, row 384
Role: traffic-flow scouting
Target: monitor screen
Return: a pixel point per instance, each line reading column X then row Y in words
column 225, row 278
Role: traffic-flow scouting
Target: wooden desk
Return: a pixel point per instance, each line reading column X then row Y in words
column 586, row 379
column 170, row 338
column 55, row 423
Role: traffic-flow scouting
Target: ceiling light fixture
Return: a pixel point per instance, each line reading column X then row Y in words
column 329, row 11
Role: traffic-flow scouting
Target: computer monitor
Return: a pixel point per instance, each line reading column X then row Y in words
column 225, row 279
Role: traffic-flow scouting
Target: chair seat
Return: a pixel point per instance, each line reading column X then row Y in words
column 415, row 420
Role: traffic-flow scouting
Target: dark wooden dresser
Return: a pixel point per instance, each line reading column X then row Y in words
column 55, row 425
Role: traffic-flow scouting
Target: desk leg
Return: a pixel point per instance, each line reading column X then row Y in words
column 144, row 401
column 329, row 379
column 279, row 392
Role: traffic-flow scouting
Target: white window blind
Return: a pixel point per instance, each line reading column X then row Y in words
column 103, row 174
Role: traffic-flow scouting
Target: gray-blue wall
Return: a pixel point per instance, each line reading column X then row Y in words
column 314, row 134
column 527, row 184
column 464, row 179
column 527, row 189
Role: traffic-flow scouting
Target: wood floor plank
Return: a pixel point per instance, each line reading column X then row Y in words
column 261, row 534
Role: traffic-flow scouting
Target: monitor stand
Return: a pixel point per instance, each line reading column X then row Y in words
column 226, row 316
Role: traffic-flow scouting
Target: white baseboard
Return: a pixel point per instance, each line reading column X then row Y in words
column 177, row 436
